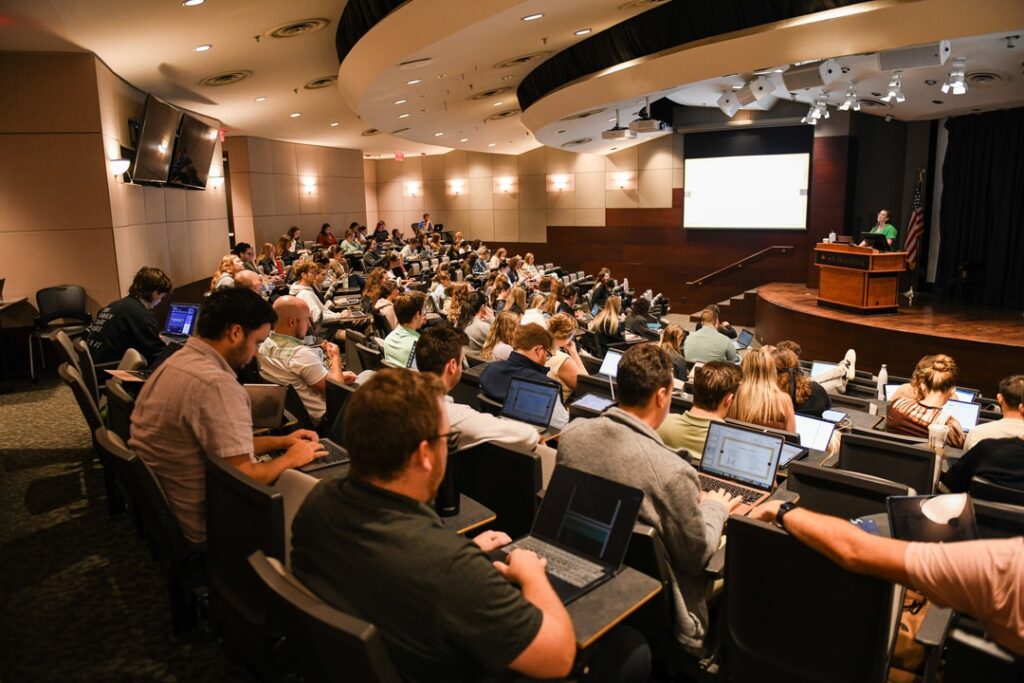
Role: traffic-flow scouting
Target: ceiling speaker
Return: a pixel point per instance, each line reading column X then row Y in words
column 811, row 75
column 932, row 54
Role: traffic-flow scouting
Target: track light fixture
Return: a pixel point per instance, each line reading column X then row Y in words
column 850, row 100
column 818, row 110
column 895, row 88
column 955, row 83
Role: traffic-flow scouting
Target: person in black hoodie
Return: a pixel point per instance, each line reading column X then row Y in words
column 129, row 323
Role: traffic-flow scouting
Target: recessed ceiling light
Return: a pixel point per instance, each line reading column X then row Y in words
column 583, row 31
column 296, row 114
column 400, row 101
column 506, row 78
column 413, row 81
column 498, row 103
column 438, row 134
column 403, row 116
column 492, row 144
column 334, row 124
column 261, row 98
column 193, row 3
column 463, row 139
column 202, row 48
column 532, row 17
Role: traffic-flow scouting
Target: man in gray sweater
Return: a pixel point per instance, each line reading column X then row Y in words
column 623, row 445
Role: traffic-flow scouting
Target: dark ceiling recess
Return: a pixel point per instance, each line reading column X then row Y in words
column 662, row 28
column 358, row 17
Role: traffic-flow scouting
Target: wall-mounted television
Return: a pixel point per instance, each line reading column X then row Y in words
column 155, row 142
column 193, row 153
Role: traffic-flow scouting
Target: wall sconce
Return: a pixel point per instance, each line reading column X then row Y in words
column 620, row 181
column 309, row 185
column 456, row 187
column 412, row 188
column 560, row 182
column 217, row 181
column 504, row 185
column 120, row 166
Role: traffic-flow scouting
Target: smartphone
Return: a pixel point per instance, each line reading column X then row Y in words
column 833, row 416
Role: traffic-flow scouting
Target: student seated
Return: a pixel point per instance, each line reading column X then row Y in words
column 387, row 294
column 565, row 365
column 609, row 325
column 532, row 346
column 638, row 319
column 759, row 399
column 707, row 343
column 129, row 323
column 834, row 379
column 409, row 313
column 672, row 341
column 225, row 275
column 622, row 445
column 192, row 407
column 932, row 384
column 307, row 275
column 1000, row 460
column 285, row 360
column 1010, row 397
column 371, row 545
column 722, row 326
column 714, row 390
column 498, row 345
column 475, row 319
column 809, row 397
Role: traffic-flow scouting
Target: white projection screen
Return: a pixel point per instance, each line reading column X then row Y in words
column 762, row 192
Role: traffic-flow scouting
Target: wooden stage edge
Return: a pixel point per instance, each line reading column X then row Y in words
column 987, row 344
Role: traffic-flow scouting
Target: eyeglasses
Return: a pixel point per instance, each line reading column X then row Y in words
column 451, row 437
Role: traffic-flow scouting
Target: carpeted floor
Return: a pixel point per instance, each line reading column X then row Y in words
column 81, row 598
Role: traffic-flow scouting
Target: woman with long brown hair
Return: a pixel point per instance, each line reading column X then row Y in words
column 499, row 340
column 759, row 400
column 565, row 364
column 672, row 341
column 809, row 397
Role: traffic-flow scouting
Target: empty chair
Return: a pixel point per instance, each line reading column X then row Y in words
column 65, row 346
column 120, row 405
column 854, row 616
column 504, row 478
column 318, row 642
column 984, row 489
column 998, row 520
column 242, row 515
column 294, row 487
column 60, row 308
column 905, row 464
column 841, row 493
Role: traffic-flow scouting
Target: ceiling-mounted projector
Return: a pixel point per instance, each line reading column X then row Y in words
column 647, row 126
column 618, row 133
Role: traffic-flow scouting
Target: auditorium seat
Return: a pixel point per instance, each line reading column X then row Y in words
column 896, row 462
column 983, row 489
column 120, row 405
column 504, row 478
column 840, row 493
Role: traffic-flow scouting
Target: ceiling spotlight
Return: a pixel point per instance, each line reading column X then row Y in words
column 261, row 98
column 956, row 84
column 463, row 139
column 296, row 114
column 400, row 101
column 413, row 81
column 334, row 124
column 895, row 89
column 438, row 134
column 818, row 110
column 403, row 116
column 583, row 31
column 492, row 144
column 202, row 48
column 850, row 100
column 729, row 104
column 532, row 17
column 498, row 103
column 192, row 3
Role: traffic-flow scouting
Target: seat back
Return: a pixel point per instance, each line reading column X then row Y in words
column 66, row 349
column 369, row 359
column 594, row 384
column 841, row 493
column 320, row 642
column 338, row 395
column 294, row 487
column 896, row 462
column 62, row 301
column 646, row 554
column 862, row 404
column 73, row 378
column 769, row 572
column 504, row 478
column 488, row 405
column 971, row 657
column 132, row 360
column 998, row 520
column 352, row 362
column 87, row 367
column 120, row 405
column 297, row 409
column 985, row 489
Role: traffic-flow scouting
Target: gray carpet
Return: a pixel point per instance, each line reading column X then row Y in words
column 81, row 598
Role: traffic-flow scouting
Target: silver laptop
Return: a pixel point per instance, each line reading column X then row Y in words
column 741, row 461
column 965, row 413
column 743, row 340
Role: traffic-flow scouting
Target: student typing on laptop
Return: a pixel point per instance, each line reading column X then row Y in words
column 129, row 323
column 622, row 445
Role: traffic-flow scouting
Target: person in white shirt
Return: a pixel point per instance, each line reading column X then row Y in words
column 306, row 275
column 440, row 351
column 285, row 360
column 1010, row 398
column 385, row 304
column 498, row 257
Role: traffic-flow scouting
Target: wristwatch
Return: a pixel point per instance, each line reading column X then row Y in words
column 783, row 509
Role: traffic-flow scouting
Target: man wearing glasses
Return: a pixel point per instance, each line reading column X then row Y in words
column 531, row 348
column 372, row 546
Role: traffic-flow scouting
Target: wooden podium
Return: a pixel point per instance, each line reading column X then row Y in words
column 859, row 279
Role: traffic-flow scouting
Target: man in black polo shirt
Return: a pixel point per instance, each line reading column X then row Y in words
column 372, row 546
column 531, row 347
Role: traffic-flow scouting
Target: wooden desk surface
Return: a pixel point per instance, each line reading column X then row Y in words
column 600, row 610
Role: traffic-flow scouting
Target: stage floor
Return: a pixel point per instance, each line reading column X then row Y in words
column 987, row 344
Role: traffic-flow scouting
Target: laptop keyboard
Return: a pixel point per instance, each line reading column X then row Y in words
column 570, row 568
column 748, row 496
column 335, row 455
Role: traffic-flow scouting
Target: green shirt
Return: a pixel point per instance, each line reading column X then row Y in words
column 398, row 345
column 686, row 431
column 443, row 610
column 889, row 231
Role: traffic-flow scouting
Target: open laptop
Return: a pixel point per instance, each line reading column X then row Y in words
column 967, row 395
column 814, row 433
column 741, row 461
column 790, row 453
column 593, row 403
column 531, row 401
column 582, row 529
column 181, row 322
column 965, row 413
column 931, row 519
column 336, row 455
column 820, row 368
column 743, row 340
column 267, row 403
column 610, row 364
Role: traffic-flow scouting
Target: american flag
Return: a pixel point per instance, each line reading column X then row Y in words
column 916, row 227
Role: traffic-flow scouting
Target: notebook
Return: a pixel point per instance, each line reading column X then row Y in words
column 932, row 519
column 814, row 434
column 741, row 461
column 610, row 364
column 181, row 321
column 582, row 529
column 965, row 413
column 531, row 401
column 743, row 340
column 267, row 403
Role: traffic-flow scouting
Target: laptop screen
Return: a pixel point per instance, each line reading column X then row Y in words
column 529, row 401
column 889, row 389
column 965, row 413
column 739, row 454
column 746, row 336
column 814, row 434
column 967, row 395
column 588, row 515
column 789, row 451
column 932, row 519
column 610, row 365
column 181, row 319
column 819, row 368
column 593, row 402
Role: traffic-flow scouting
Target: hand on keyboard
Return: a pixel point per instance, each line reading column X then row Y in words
column 522, row 566
column 730, row 502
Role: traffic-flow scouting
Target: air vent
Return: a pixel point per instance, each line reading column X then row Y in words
column 985, row 79
column 641, row 4
column 298, row 28
column 868, row 103
column 520, row 60
column 369, row 132
column 503, row 114
column 400, row 131
column 577, row 142
column 318, row 83
column 584, row 114
column 415, row 63
column 226, row 78
column 493, row 92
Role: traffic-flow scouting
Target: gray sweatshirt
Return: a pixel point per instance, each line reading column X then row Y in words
column 618, row 446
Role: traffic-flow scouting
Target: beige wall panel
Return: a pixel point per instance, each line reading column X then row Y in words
column 388, row 170
column 533, row 225
column 283, row 154
column 479, row 165
column 677, row 150
column 123, row 238
column 410, row 169
column 458, row 220
column 330, row 191
column 263, row 203
column 455, row 165
column 458, row 202
column 412, row 200
column 174, row 207
column 351, row 163
column 352, row 195
column 217, row 234
column 237, row 149
column 261, row 156
column 564, row 199
column 389, row 196
column 561, row 217
column 245, row 231
column 590, row 163
column 589, row 193
column 677, row 177
column 307, row 162
column 155, row 237
column 655, row 189
column 506, row 226
column 481, row 225
column 656, row 153
column 154, row 201
column 433, row 196
column 268, row 228
column 369, row 169
column 532, row 191
column 504, row 166
column 590, row 217
column 393, row 219
column 286, row 194
column 621, row 199
column 623, row 160
column 559, row 161
column 532, row 162
column 195, row 205
column 179, row 253
column 507, row 201
column 30, row 79
column 481, row 191
column 433, row 167
column 310, row 202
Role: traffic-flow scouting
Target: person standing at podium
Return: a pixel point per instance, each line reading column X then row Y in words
column 883, row 227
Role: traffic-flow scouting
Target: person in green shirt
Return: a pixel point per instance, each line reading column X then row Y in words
column 399, row 343
column 714, row 389
column 884, row 227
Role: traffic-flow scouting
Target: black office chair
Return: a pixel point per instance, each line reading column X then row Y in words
column 998, row 520
column 297, row 409
column 473, row 358
column 120, row 405
column 984, row 489
column 504, row 478
column 60, row 308
column 901, row 463
column 315, row 640
column 242, row 515
column 488, row 405
column 369, row 359
column 338, row 395
column 840, row 493
column 768, row 572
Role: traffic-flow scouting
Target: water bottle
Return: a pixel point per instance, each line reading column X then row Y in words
column 883, row 378
column 447, row 502
column 832, row 237
column 625, row 284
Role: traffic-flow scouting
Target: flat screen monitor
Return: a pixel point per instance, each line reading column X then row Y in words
column 193, row 152
column 875, row 240
column 155, row 145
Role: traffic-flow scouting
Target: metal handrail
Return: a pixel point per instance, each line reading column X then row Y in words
column 739, row 264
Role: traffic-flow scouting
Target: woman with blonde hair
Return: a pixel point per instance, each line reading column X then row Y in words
column 809, row 397
column 931, row 386
column 608, row 324
column 498, row 257
column 498, row 345
column 225, row 275
column 672, row 341
column 529, row 268
column 565, row 365
column 516, row 300
column 458, row 295
column 759, row 400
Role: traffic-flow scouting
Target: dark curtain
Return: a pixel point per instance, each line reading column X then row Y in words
column 981, row 253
